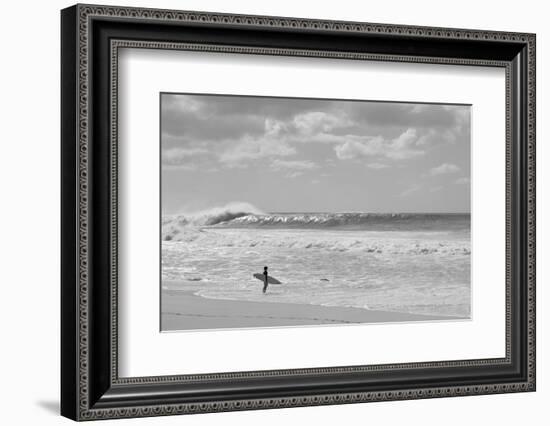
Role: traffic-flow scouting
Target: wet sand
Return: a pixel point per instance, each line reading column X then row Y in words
column 184, row 311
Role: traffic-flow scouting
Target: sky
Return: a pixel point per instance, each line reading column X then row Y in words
column 313, row 155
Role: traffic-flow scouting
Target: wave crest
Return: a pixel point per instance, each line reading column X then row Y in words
column 245, row 215
column 373, row 221
column 172, row 225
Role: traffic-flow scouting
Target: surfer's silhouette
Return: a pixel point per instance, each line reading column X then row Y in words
column 265, row 279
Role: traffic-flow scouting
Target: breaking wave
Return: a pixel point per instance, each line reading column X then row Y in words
column 245, row 215
column 350, row 220
column 210, row 217
column 250, row 242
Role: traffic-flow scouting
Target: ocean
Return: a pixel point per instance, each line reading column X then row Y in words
column 399, row 262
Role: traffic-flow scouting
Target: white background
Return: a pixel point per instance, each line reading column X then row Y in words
column 29, row 226
column 146, row 352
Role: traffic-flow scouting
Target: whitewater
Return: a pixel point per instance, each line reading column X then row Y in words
column 401, row 262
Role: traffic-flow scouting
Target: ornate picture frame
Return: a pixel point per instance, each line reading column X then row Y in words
column 91, row 37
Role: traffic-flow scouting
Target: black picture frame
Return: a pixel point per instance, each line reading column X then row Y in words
column 90, row 386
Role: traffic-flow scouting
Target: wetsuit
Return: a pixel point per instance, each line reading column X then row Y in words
column 265, row 281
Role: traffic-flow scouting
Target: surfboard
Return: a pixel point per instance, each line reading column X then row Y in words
column 270, row 279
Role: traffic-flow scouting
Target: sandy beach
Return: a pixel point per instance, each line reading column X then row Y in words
column 182, row 310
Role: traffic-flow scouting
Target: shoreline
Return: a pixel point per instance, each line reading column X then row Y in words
column 184, row 311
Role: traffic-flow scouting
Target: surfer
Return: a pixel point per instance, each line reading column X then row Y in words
column 265, row 279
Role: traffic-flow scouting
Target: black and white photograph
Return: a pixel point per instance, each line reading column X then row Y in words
column 280, row 211
column 267, row 207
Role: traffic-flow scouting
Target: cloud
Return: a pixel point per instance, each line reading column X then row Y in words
column 216, row 131
column 293, row 165
column 184, row 158
column 415, row 187
column 206, row 119
column 444, row 169
column 254, row 149
column 182, row 104
column 315, row 122
column 363, row 147
column 293, row 168
column 216, row 116
column 377, row 166
column 271, row 144
column 432, row 137
column 402, row 147
column 462, row 181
